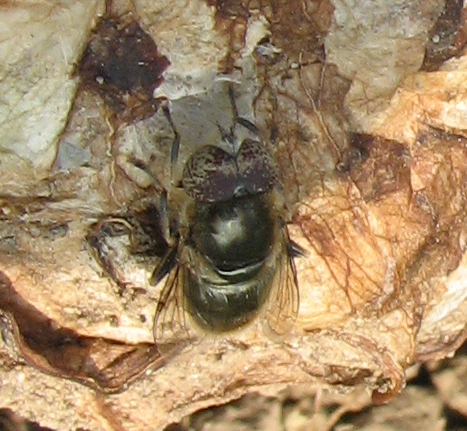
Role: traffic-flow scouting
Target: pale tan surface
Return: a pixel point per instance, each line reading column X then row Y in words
column 382, row 284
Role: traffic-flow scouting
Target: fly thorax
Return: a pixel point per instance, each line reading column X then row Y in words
column 236, row 233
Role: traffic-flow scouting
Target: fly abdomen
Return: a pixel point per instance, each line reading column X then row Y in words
column 229, row 304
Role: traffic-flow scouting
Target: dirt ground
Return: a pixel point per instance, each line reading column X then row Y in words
column 434, row 400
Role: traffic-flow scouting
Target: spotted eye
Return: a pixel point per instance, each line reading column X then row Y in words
column 256, row 169
column 210, row 175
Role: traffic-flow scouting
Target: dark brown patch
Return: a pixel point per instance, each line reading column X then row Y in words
column 385, row 168
column 144, row 229
column 226, row 9
column 351, row 158
column 104, row 255
column 297, row 28
column 10, row 421
column 123, row 65
column 147, row 237
column 101, row 363
column 448, row 37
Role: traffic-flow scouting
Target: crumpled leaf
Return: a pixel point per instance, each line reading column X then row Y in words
column 374, row 178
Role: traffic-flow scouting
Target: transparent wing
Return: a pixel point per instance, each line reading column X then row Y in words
column 282, row 307
column 171, row 325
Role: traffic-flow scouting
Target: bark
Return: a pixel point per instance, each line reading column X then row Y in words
column 363, row 108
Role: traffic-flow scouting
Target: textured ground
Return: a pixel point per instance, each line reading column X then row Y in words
column 362, row 105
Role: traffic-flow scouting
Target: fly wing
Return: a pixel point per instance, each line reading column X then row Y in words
column 171, row 326
column 282, row 307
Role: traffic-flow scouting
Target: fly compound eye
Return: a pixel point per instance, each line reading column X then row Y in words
column 213, row 175
column 210, row 175
column 257, row 172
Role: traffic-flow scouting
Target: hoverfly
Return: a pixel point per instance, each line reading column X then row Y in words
column 230, row 258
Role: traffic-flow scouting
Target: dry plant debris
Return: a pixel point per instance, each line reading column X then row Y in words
column 363, row 108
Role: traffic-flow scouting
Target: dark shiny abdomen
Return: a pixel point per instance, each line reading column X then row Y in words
column 235, row 237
